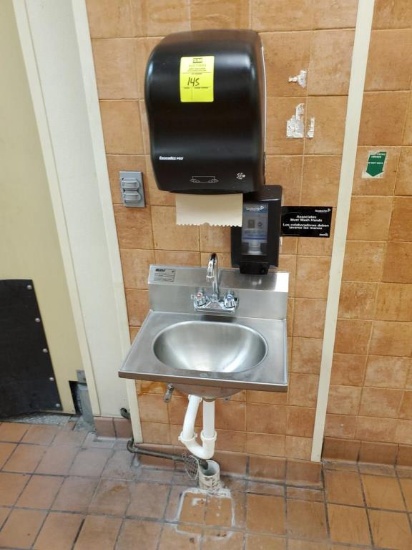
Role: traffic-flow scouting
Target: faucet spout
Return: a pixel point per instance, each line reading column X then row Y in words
column 212, row 274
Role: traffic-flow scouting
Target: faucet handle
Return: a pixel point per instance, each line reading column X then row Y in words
column 199, row 298
column 230, row 300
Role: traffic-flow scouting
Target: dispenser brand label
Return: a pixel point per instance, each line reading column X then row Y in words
column 306, row 221
column 196, row 79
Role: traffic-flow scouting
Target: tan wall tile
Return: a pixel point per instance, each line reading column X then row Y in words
column 404, row 455
column 287, row 172
column 376, row 186
column 394, row 302
column 154, row 432
column 306, row 355
column 380, row 453
column 387, row 128
column 177, row 257
column 335, row 15
column 230, row 415
column 303, row 389
column 115, row 61
column 300, row 421
column 213, row 14
column 369, row 218
column 344, row 400
column 214, row 238
column 309, row 317
column 279, row 111
column 298, row 447
column 352, row 336
column 363, row 261
column 134, row 228
column 403, row 432
column 264, row 467
column 401, row 222
column 121, row 127
column 265, row 444
column 312, row 277
column 289, row 15
column 389, row 62
column 135, row 265
column 380, row 402
column 316, row 247
column 387, row 372
column 137, row 306
column 289, row 245
column 165, row 16
column 392, row 15
column 234, row 442
column 406, row 406
column 340, row 449
column 330, row 62
column 154, row 195
column 376, row 429
column 288, row 263
column 145, row 127
column 320, row 183
column 169, row 236
column 357, row 300
column 267, row 419
column 404, row 180
column 272, row 398
column 301, row 472
column 330, row 115
column 153, row 409
column 407, row 136
column 286, row 54
column 111, row 18
column 391, row 338
column 340, row 426
column 398, row 261
column 348, row 369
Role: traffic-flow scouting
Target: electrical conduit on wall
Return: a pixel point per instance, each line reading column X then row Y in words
column 353, row 116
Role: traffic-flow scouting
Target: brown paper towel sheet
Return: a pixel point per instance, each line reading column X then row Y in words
column 211, row 209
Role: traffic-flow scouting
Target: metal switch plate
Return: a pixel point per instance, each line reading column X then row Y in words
column 131, row 186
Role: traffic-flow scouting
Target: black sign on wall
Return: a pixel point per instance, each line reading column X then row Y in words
column 306, row 221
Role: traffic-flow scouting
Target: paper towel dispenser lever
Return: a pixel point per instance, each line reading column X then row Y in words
column 205, row 100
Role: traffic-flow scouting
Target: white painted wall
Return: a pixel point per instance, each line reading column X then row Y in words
column 56, row 46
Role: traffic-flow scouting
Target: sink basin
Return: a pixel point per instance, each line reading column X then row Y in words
column 210, row 347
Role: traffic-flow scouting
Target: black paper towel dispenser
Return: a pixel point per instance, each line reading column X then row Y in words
column 205, row 100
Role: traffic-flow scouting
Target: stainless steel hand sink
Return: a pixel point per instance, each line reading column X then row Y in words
column 208, row 354
column 210, row 346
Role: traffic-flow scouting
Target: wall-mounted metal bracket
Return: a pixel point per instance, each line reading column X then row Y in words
column 131, row 185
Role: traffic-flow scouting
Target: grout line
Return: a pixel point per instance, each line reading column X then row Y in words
column 354, row 107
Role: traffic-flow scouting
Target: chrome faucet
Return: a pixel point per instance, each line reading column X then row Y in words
column 204, row 301
column 212, row 274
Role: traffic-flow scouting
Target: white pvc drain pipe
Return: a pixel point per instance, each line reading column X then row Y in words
column 208, row 434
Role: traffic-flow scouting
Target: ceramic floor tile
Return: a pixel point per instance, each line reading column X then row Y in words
column 147, row 533
column 11, row 487
column 264, row 542
column 119, row 466
column 219, row 511
column 4, row 512
column 299, row 544
column 220, row 539
column 343, row 487
column 12, row 432
column 111, row 497
column 173, row 539
column 148, row 500
column 390, row 530
column 69, row 438
column 306, row 519
column 40, row 492
column 40, row 435
column 383, row 492
column 98, row 533
column 406, row 485
column 25, row 458
column 21, row 528
column 90, row 462
column 57, row 460
column 340, row 517
column 59, row 531
column 265, row 513
column 6, row 450
column 75, row 494
column 193, row 507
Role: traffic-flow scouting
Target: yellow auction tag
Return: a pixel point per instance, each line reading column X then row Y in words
column 196, row 79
